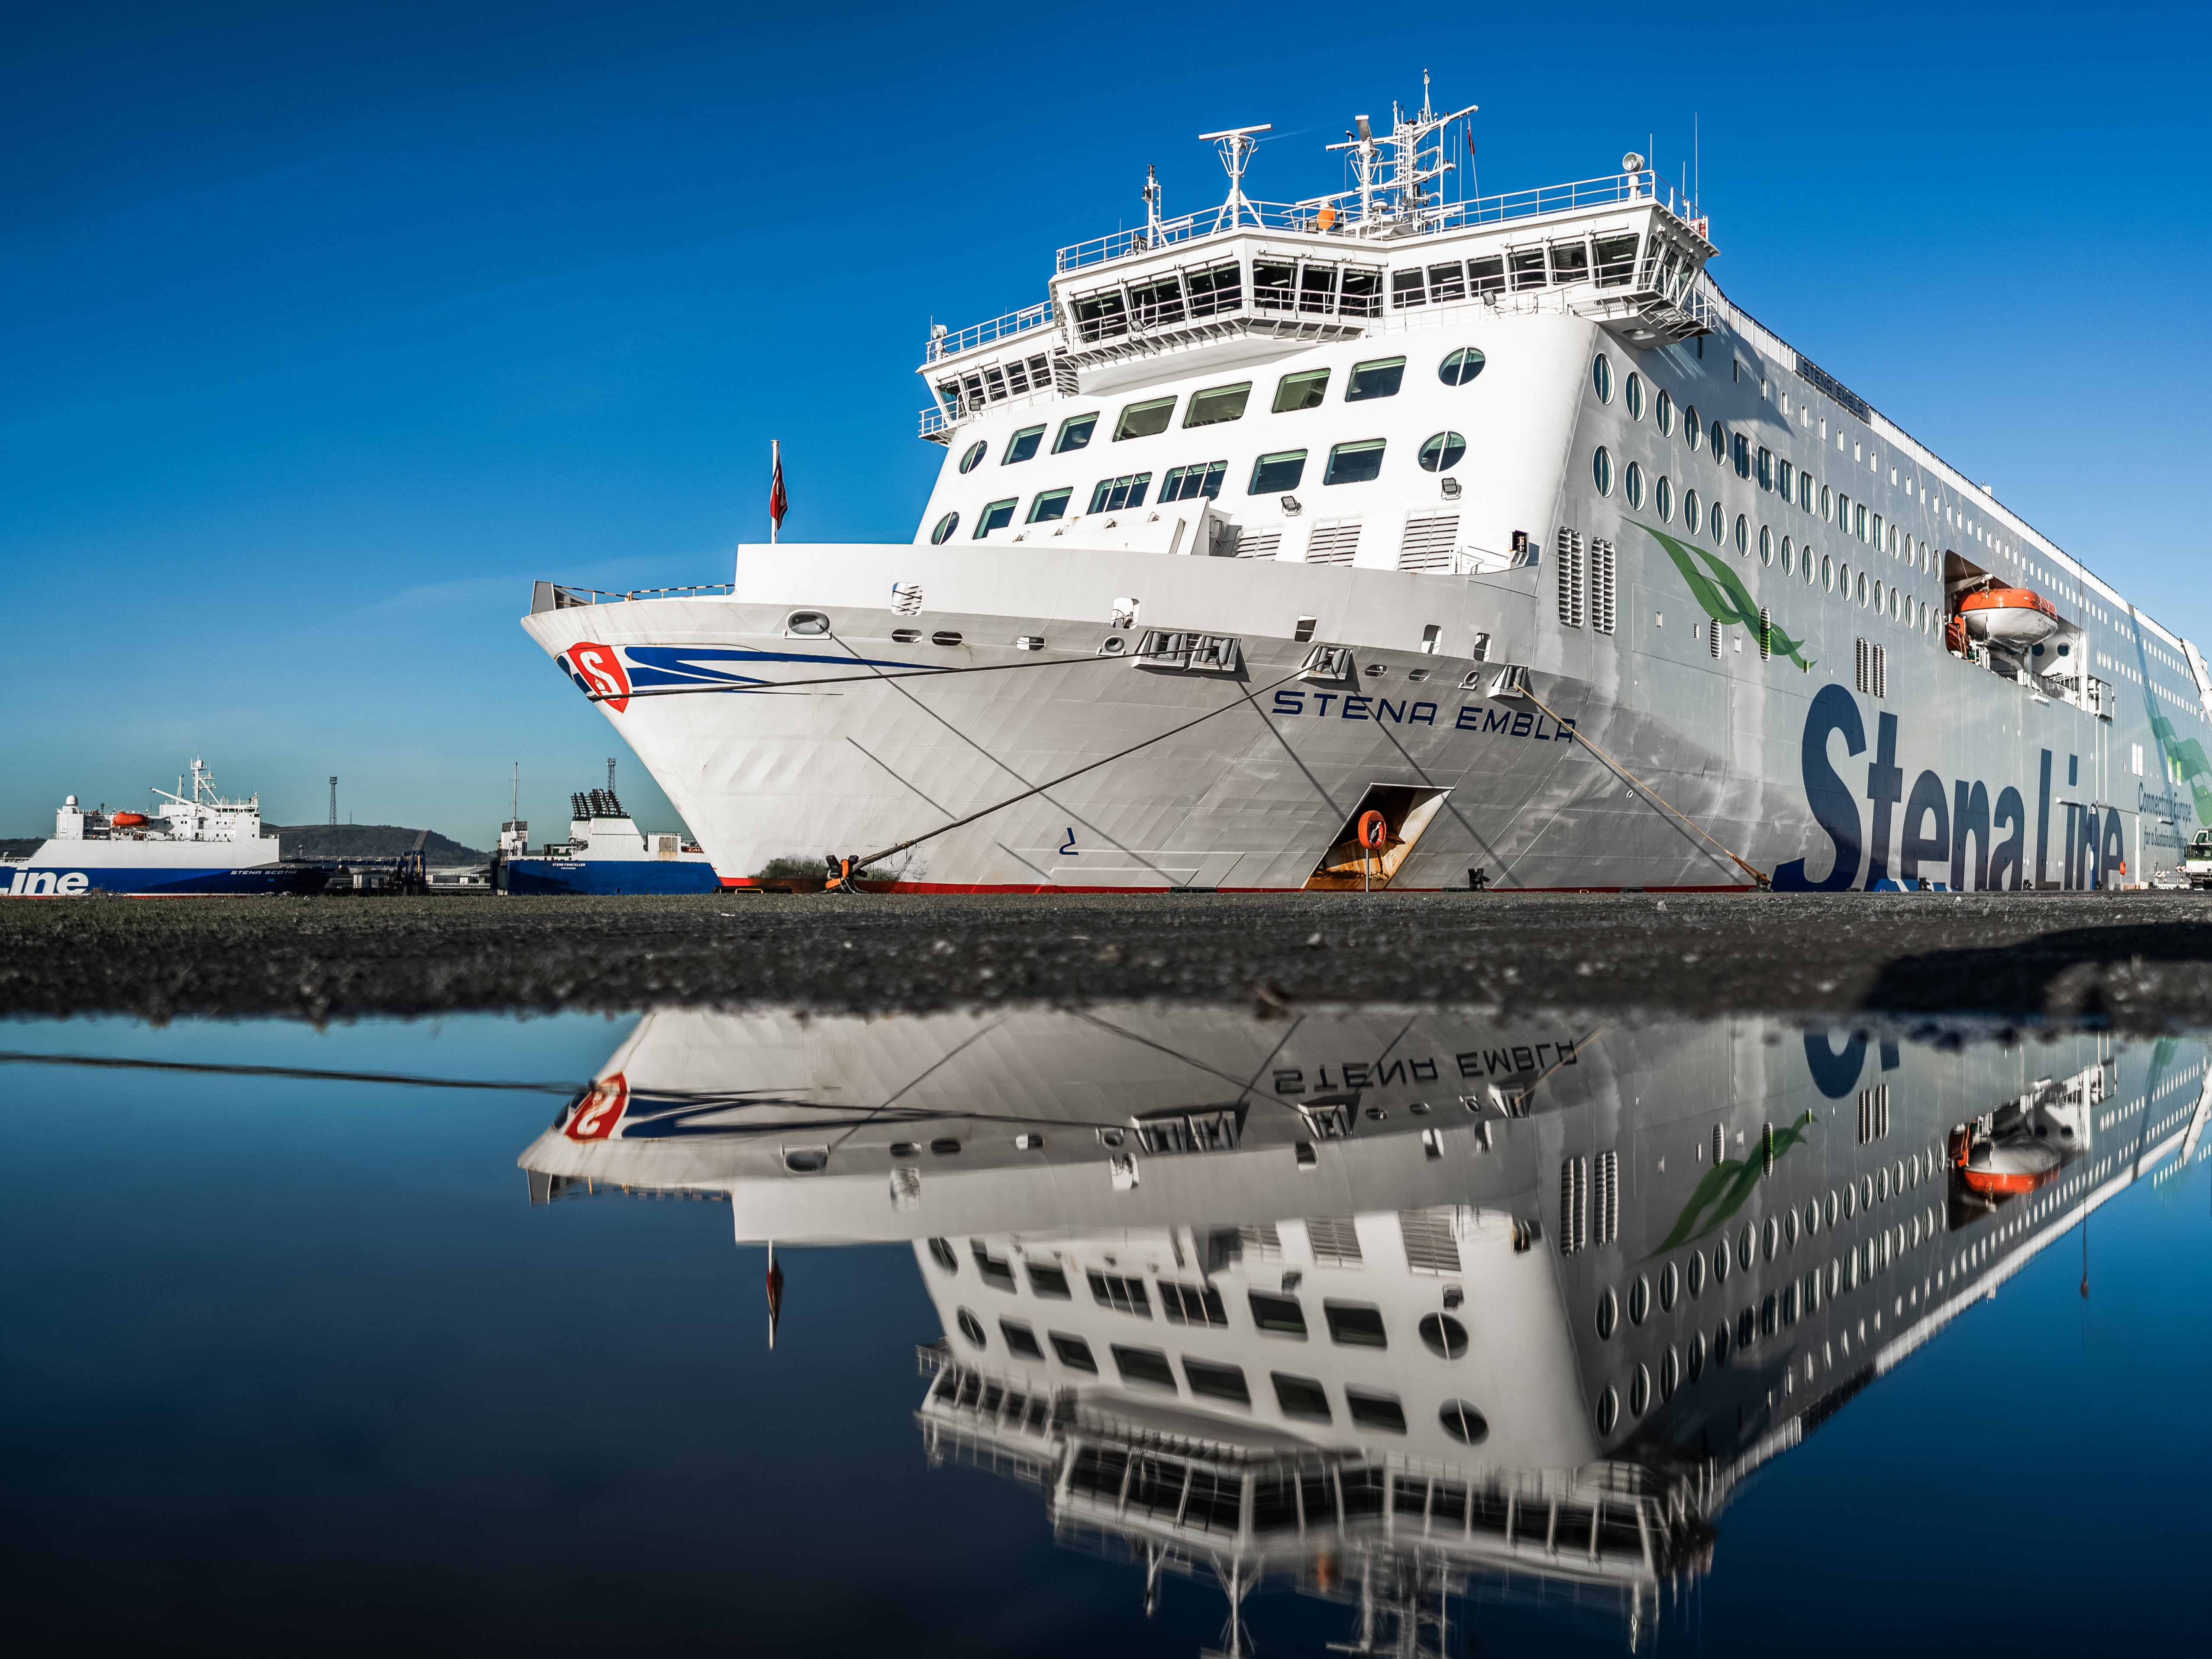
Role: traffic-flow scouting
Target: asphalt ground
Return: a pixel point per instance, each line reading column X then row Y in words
column 2138, row 962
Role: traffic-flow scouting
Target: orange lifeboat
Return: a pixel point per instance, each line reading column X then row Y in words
column 2012, row 617
column 128, row 820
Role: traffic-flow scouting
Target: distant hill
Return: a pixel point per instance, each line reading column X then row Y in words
column 368, row 841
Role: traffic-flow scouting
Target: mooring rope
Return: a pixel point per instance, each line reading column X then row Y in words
column 867, row 679
column 1752, row 870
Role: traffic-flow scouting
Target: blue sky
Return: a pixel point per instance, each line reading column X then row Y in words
column 325, row 329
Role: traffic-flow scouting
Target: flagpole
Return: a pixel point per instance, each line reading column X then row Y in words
column 776, row 471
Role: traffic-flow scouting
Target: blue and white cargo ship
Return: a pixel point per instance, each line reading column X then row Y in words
column 605, row 854
column 188, row 844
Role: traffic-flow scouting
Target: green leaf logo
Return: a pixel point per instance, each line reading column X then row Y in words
column 1720, row 592
column 1724, row 1188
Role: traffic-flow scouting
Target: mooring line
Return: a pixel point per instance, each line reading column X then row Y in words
column 1752, row 870
column 866, row 679
column 303, row 1072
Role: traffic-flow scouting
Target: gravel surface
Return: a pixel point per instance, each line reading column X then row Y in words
column 2139, row 961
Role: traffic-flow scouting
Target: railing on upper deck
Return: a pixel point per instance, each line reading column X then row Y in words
column 1620, row 187
column 948, row 344
column 559, row 596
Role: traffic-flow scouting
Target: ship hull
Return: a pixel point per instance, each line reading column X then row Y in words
column 1630, row 761
column 609, row 877
column 46, row 876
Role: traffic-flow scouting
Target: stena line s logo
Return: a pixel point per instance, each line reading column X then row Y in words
column 600, row 1109
column 598, row 670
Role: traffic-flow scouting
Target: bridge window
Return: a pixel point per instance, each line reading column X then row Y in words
column 1570, row 262
column 1354, row 463
column 1145, row 420
column 1487, row 276
column 1022, row 446
column 1616, row 260
column 1272, row 474
column 1049, row 504
column 1184, row 483
column 997, row 516
column 1218, row 289
column 1217, row 405
column 1272, row 283
column 1112, row 495
column 1378, row 379
column 1213, row 1381
column 1317, row 288
column 1408, row 289
column 1100, row 316
column 1376, row 1411
column 1075, row 432
column 1360, row 294
column 1355, row 1324
column 1526, row 268
column 1157, row 302
column 1302, row 1397
column 1147, row 1367
column 1305, row 390
column 1074, row 1353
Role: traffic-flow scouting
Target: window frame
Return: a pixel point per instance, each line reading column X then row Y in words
column 1463, row 366
column 1064, row 494
column 1317, row 379
column 1190, row 414
column 1447, row 443
column 1331, row 1309
column 1352, row 392
column 1144, row 406
column 1279, row 458
column 1060, row 444
column 984, row 525
column 1355, row 447
column 1007, row 456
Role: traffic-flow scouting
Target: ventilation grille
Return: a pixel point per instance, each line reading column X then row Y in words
column 1873, row 668
column 1259, row 544
column 1713, row 639
column 1873, row 1113
column 1063, row 376
column 1720, row 1145
column 1765, row 633
column 1601, row 585
column 1335, row 1244
column 1428, row 542
column 1574, row 1206
column 1431, row 1242
column 1571, row 577
column 1608, row 1197
column 1333, row 541
column 1262, row 1241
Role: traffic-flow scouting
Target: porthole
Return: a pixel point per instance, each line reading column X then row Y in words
column 1670, row 1286
column 1461, row 366
column 806, row 1160
column 1717, row 521
column 1743, row 536
column 1719, row 436
column 1662, row 497
column 1765, row 545
column 971, row 1327
column 1690, row 433
column 1914, row 1166
column 1693, row 513
column 1720, row 1343
column 905, row 636
column 944, row 1148
column 1827, row 572
column 1746, row 1246
column 944, row 636
column 974, row 458
column 1720, row 1263
column 946, row 1256
column 1850, row 1202
column 1898, row 1185
column 1464, row 1423
column 1639, row 1391
column 1695, row 1274
column 1862, row 590
column 1812, row 572
column 1608, row 1312
column 1866, row 1192
column 1832, row 1206
column 1746, row 1329
column 1608, row 1403
column 807, row 623
column 1697, row 1356
column 1664, row 409
column 1602, row 467
column 1601, row 377
column 945, row 526
column 1788, row 556
column 1790, row 1229
column 1631, row 484
column 1442, row 453
column 1639, row 1300
column 1632, row 393
column 1443, row 1335
column 1772, row 1234
column 903, row 1149
column 1670, row 1372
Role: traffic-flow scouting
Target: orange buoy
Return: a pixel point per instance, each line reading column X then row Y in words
column 1325, row 217
column 1374, row 831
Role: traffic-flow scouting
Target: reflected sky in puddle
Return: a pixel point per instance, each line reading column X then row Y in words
column 1444, row 1333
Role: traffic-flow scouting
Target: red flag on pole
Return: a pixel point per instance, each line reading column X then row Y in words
column 778, row 502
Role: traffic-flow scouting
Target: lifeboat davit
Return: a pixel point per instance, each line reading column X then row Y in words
column 128, row 820
column 2014, row 617
column 2004, row 1169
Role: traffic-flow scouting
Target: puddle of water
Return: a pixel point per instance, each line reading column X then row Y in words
column 1469, row 1335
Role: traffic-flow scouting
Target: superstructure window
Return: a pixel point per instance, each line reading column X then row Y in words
column 1526, row 267
column 1442, row 453
column 1074, row 1353
column 974, row 458
column 1378, row 379
column 1217, row 289
column 1446, row 282
column 1664, row 411
column 1693, row 433
column 1632, row 482
column 1049, row 504
column 1273, row 283
column 1301, row 1397
column 1075, row 432
column 1217, row 405
column 1409, row 288
column 1048, row 1280
column 1305, row 390
column 1020, row 1339
column 1570, row 262
column 1355, row 1324
column 1191, row 1304
column 1717, row 522
column 1278, row 1315
column 1376, row 1411
column 1185, row 483
column 945, row 526
column 1601, row 377
column 1633, row 391
column 1662, row 497
column 1317, row 288
column 1112, row 495
column 1486, row 275
column 1764, row 466
column 997, row 516
column 1354, row 463
column 1023, row 444
column 1273, row 474
column 1616, row 260
column 1145, row 420
column 1742, row 455
column 1100, row 316
column 1157, row 302
column 1601, row 470
column 1785, row 478
column 1213, row 1381
column 1720, row 444
column 1691, row 510
column 1360, row 293
column 1148, row 1367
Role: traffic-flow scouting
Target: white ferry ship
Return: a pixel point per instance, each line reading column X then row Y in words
column 188, row 844
column 1373, row 1303
column 605, row 854
column 1492, row 516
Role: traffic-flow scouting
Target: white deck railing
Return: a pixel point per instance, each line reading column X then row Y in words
column 948, row 344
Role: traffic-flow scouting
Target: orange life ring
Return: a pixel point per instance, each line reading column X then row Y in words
column 1374, row 832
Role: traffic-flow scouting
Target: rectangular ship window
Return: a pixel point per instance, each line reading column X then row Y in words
column 1378, row 379
column 1023, row 444
column 996, row 516
column 1279, row 472
column 1354, row 463
column 1218, row 289
column 1305, row 390
column 1049, row 504
column 1075, row 432
column 1112, row 495
column 1217, row 403
column 1445, row 283
column 1145, row 420
column 1407, row 289
column 1487, row 276
column 1184, row 483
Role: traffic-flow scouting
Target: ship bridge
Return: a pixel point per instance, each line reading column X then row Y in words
column 1249, row 280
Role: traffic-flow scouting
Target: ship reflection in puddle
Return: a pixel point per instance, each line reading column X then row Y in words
column 1390, row 1307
